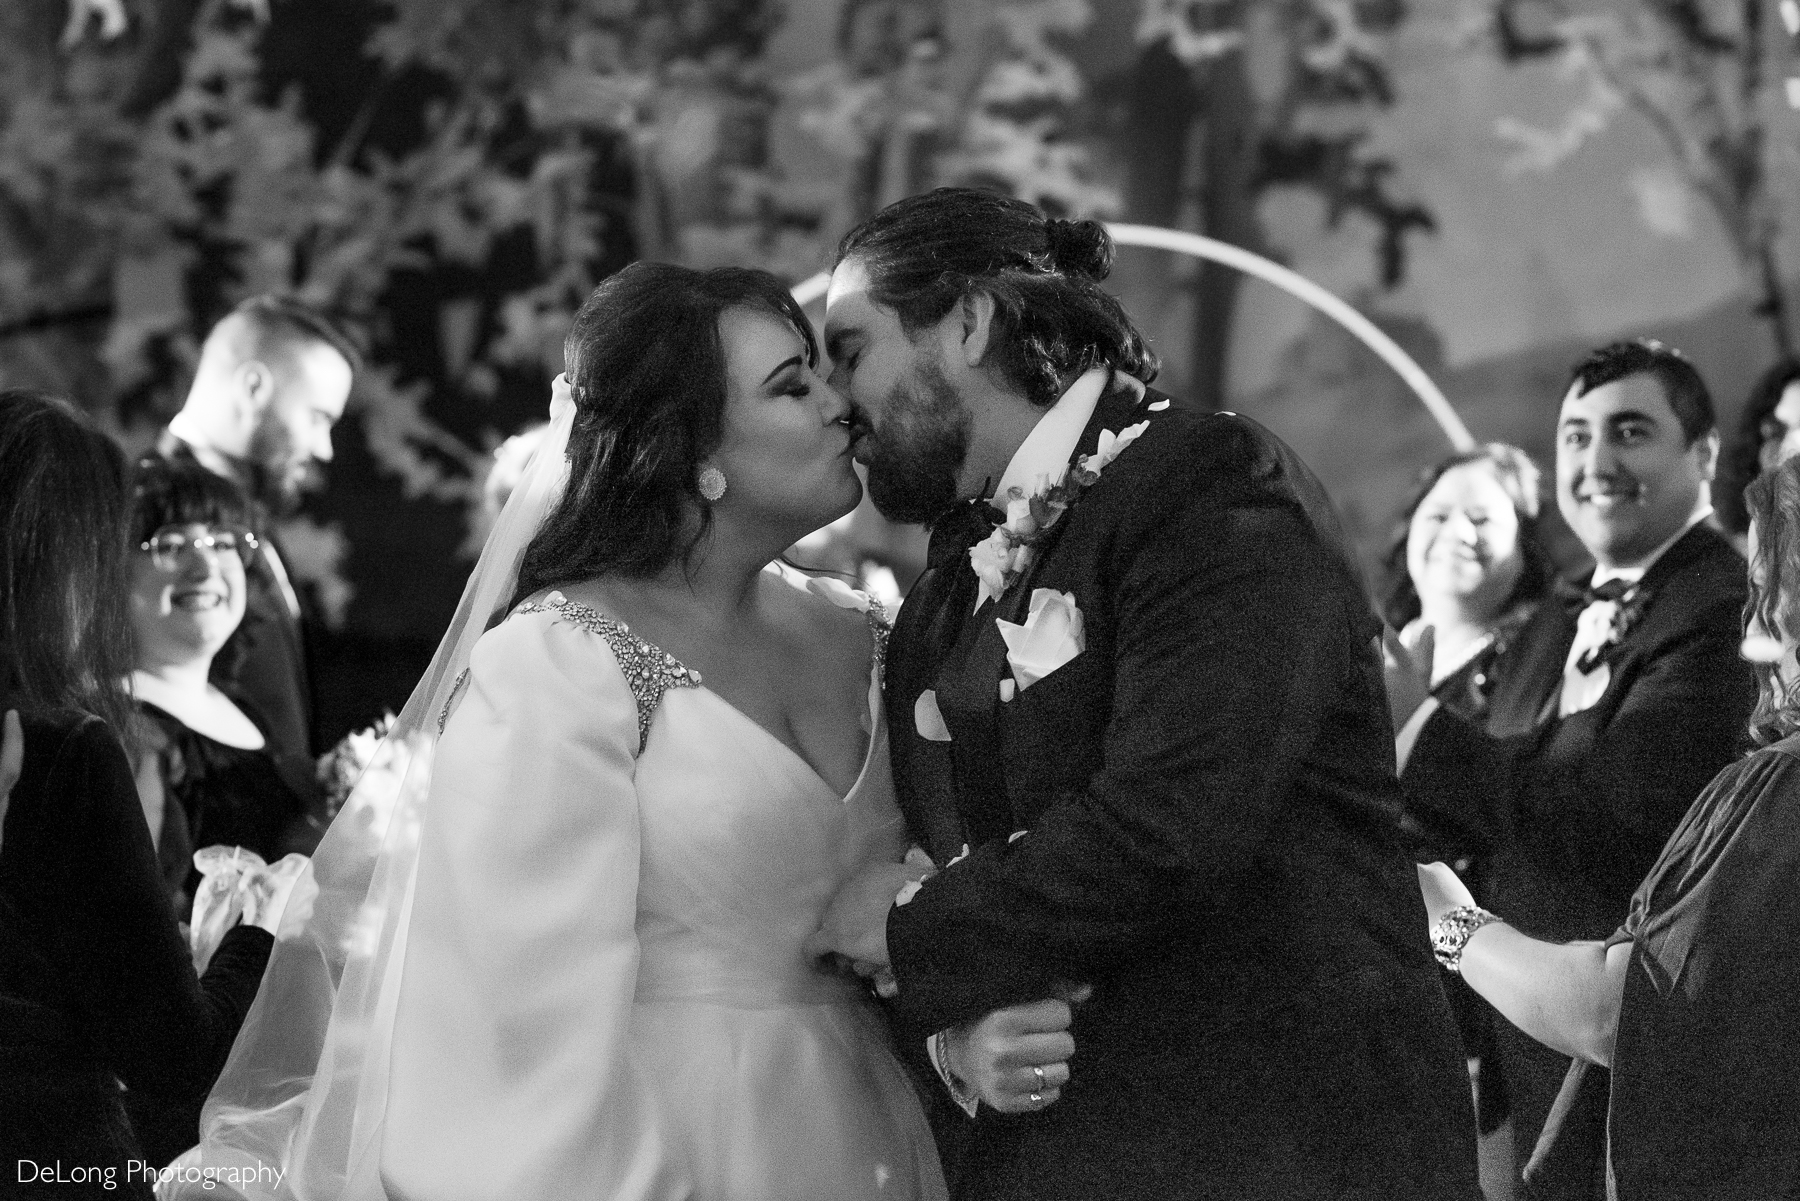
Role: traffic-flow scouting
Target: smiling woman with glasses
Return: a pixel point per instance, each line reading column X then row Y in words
column 206, row 773
column 218, row 780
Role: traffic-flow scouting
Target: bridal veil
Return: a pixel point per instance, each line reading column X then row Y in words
column 298, row 1111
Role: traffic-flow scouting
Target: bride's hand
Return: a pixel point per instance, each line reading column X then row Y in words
column 855, row 923
column 1443, row 891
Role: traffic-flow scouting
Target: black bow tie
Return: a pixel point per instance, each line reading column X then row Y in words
column 1578, row 597
column 961, row 527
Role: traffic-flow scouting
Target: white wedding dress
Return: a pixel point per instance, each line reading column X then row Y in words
column 603, row 993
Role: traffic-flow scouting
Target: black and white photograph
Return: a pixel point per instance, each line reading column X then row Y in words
column 900, row 600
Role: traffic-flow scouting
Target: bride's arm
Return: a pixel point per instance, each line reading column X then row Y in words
column 1565, row 995
column 512, row 1070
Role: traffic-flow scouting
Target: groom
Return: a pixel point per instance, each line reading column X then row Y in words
column 1138, row 682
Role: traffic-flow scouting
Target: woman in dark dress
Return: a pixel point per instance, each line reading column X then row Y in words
column 1694, row 1002
column 1467, row 565
column 97, row 989
column 207, row 775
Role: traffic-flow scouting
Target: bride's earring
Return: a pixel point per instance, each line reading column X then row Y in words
column 712, row 483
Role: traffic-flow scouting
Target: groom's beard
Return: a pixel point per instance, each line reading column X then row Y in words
column 915, row 457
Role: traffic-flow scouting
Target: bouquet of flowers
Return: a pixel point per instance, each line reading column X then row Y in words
column 344, row 764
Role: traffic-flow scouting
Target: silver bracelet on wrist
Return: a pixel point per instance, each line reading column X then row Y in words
column 1451, row 934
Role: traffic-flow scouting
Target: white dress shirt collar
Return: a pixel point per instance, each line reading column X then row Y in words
column 1044, row 455
column 188, row 432
column 1631, row 573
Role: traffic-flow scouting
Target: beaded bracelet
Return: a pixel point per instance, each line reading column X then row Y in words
column 1451, row 934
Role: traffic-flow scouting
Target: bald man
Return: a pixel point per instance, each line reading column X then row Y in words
column 273, row 379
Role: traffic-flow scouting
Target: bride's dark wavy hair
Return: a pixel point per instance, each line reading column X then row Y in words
column 1773, row 502
column 646, row 363
column 1052, row 319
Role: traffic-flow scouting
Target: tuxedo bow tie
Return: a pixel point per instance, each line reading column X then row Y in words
column 1578, row 597
column 957, row 530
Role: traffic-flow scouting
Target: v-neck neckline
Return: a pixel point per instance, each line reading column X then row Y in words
column 562, row 602
column 830, row 788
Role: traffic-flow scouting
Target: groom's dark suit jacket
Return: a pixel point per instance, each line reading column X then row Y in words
column 1211, row 821
column 1571, row 814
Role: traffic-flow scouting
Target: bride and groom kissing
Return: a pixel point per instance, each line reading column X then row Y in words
column 663, row 836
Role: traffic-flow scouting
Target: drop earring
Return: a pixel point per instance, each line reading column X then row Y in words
column 712, row 483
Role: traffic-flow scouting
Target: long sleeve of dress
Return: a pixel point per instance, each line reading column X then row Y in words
column 512, row 1073
column 80, row 854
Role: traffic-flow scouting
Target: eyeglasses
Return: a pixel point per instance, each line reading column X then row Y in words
column 165, row 545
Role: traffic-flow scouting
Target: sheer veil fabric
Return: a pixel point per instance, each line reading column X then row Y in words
column 298, row 1111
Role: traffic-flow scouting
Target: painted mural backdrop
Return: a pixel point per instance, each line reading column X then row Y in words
column 1498, row 183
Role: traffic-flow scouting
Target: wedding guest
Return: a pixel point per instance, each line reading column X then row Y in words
column 1694, row 1002
column 96, row 984
column 1768, row 432
column 1468, row 571
column 209, row 774
column 273, row 378
column 1650, row 702
column 1468, row 564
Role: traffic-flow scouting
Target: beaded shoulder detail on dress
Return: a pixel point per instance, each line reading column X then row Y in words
column 649, row 669
column 879, row 629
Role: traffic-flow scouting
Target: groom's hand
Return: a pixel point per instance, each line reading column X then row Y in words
column 855, row 925
column 1016, row 1060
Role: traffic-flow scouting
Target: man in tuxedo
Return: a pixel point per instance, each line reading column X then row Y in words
column 1647, row 698
column 273, row 378
column 1139, row 725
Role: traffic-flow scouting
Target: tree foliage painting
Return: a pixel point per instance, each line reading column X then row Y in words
column 451, row 178
column 1707, row 77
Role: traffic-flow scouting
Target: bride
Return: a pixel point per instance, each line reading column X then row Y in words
column 558, row 946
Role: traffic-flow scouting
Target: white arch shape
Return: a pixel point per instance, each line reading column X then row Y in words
column 1292, row 282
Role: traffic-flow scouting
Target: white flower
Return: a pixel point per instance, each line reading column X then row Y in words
column 1018, row 513
column 1112, row 446
column 928, row 719
column 991, row 557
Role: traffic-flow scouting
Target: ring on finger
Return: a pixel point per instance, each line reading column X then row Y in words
column 1036, row 1099
column 1042, row 1084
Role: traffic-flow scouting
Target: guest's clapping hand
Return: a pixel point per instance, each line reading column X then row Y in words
column 12, row 760
column 1442, row 890
column 1407, row 671
column 1016, row 1060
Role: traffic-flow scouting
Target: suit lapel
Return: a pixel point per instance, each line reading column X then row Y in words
column 1119, row 406
column 924, row 771
column 968, row 682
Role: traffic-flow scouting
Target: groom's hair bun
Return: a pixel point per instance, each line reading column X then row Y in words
column 926, row 254
column 1079, row 247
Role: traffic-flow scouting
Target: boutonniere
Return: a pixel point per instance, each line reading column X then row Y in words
column 1603, row 625
column 1004, row 555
